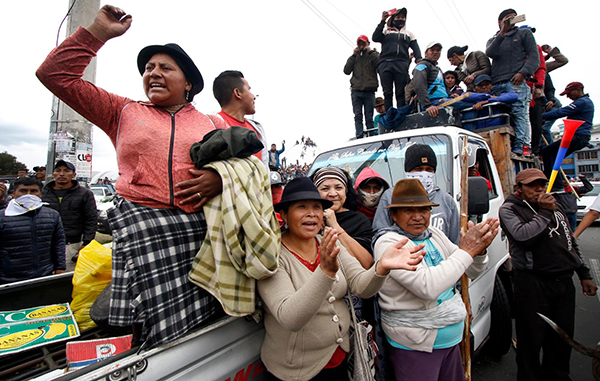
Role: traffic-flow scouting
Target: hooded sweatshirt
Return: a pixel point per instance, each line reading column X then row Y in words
column 444, row 217
column 365, row 175
column 541, row 241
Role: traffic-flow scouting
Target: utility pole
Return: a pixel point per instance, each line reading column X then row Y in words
column 70, row 137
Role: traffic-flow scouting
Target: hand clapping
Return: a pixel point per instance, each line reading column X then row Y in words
column 399, row 257
column 329, row 252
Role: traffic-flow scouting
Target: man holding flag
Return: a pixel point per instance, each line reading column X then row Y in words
column 581, row 109
column 544, row 256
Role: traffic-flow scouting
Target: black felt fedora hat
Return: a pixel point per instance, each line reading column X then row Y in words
column 300, row 189
column 184, row 62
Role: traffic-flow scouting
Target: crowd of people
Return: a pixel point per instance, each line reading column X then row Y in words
column 514, row 70
column 396, row 248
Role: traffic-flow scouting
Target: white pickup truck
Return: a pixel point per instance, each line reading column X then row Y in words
column 228, row 349
column 384, row 153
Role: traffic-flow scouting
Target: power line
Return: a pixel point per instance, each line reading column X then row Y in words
column 441, row 22
column 465, row 25
column 346, row 16
column 316, row 11
column 63, row 20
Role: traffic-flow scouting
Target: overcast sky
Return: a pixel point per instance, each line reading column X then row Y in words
column 292, row 59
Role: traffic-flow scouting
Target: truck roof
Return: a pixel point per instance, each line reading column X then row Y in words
column 437, row 130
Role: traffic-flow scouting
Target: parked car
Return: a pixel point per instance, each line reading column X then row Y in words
column 104, row 195
column 585, row 201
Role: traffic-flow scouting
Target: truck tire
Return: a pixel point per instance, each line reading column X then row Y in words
column 500, row 336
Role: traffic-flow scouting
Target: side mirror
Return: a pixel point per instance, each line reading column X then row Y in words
column 479, row 200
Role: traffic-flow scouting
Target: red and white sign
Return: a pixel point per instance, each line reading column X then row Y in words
column 84, row 353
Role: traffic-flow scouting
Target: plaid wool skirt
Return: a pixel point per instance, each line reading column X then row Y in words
column 153, row 250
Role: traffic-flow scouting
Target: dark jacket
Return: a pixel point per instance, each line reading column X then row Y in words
column 394, row 46
column 581, row 109
column 363, row 67
column 568, row 200
column 31, row 245
column 515, row 52
column 541, row 241
column 476, row 63
column 224, row 144
column 77, row 211
column 549, row 89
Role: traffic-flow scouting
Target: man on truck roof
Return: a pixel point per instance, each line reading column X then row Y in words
column 481, row 97
column 582, row 108
column 362, row 64
column 514, row 57
column 469, row 66
column 429, row 79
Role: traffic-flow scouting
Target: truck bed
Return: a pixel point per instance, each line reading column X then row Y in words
column 225, row 348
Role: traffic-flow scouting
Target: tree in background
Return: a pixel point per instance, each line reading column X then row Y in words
column 9, row 164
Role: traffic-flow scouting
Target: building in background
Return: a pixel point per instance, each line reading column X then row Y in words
column 585, row 161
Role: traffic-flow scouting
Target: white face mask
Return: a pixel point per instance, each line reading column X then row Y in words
column 426, row 178
column 24, row 204
column 370, row 200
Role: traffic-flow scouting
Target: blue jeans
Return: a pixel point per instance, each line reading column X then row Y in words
column 572, row 217
column 548, row 125
column 519, row 111
column 360, row 100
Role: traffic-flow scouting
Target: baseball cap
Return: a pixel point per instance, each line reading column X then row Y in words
column 64, row 164
column 362, row 37
column 460, row 50
column 506, row 12
column 432, row 44
column 481, row 78
column 572, row 86
column 530, row 175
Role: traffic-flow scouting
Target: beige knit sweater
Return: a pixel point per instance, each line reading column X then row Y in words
column 306, row 317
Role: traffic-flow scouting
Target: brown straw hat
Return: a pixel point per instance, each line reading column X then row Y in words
column 409, row 193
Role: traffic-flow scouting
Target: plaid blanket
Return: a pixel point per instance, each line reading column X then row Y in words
column 153, row 251
column 243, row 239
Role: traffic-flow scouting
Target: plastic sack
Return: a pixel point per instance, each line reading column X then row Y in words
column 92, row 274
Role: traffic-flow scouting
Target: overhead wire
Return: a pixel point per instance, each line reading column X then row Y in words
column 441, row 22
column 324, row 18
column 346, row 16
column 464, row 25
column 63, row 20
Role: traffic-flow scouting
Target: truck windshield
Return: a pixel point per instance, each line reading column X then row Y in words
column 386, row 157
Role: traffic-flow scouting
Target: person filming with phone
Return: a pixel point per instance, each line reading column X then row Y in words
column 515, row 57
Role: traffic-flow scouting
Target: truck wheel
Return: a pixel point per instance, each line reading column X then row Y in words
column 500, row 336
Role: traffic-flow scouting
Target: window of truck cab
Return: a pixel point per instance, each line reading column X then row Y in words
column 386, row 157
